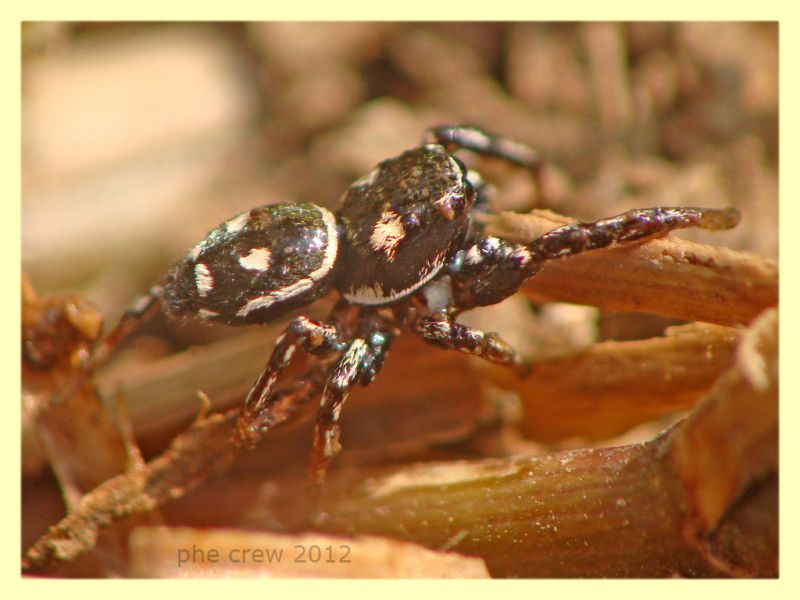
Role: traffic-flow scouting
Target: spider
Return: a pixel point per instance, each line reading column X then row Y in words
column 403, row 252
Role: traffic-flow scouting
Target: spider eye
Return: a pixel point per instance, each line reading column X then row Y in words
column 411, row 222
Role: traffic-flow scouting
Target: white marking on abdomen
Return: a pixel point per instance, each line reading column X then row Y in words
column 194, row 253
column 238, row 222
column 259, row 259
column 203, row 279
column 306, row 283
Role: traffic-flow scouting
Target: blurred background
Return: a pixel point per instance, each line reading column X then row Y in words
column 139, row 138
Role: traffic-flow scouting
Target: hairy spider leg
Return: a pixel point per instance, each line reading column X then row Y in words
column 474, row 139
column 484, row 193
column 492, row 269
column 262, row 409
column 141, row 310
column 455, row 137
column 442, row 330
column 305, row 387
column 359, row 363
column 284, row 403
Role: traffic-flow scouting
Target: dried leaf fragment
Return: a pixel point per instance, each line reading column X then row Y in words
column 731, row 439
column 612, row 386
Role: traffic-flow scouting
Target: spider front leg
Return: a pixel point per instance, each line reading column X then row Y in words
column 492, row 269
column 474, row 139
column 359, row 363
column 456, row 137
column 444, row 331
column 262, row 409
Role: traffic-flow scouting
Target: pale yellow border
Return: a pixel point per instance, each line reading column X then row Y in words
column 407, row 10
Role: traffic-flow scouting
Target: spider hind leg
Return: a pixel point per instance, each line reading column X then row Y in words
column 262, row 409
column 130, row 321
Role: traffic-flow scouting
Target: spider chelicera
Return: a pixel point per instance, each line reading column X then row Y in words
column 403, row 252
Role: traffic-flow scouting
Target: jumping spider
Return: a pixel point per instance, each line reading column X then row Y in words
column 403, row 252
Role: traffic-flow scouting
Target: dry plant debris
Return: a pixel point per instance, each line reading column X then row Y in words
column 664, row 507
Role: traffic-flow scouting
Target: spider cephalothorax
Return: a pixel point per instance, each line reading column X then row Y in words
column 403, row 254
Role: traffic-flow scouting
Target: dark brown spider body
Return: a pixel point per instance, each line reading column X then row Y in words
column 402, row 224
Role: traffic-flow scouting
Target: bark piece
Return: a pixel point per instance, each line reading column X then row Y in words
column 612, row 386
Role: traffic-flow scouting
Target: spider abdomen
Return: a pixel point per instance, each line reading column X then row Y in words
column 257, row 265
